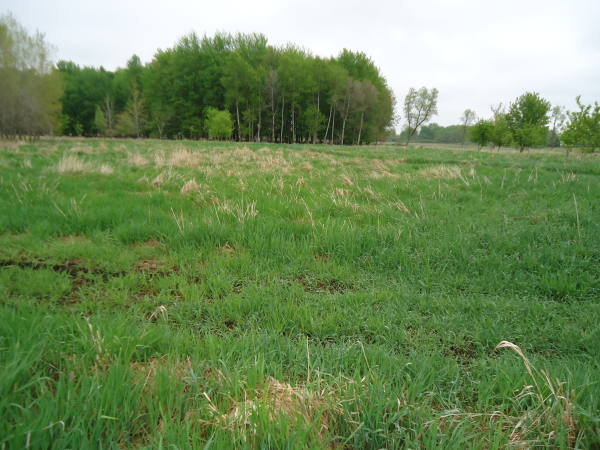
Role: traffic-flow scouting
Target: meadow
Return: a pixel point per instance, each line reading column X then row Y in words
column 186, row 294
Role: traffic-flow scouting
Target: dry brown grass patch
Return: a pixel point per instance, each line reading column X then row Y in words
column 183, row 158
column 136, row 159
column 190, row 186
column 395, row 162
column 441, row 171
column 105, row 169
column 383, row 174
column 307, row 167
column 379, row 165
column 276, row 399
column 342, row 192
column 372, row 195
column 347, row 181
column 158, row 181
column 72, row 164
column 245, row 153
column 271, row 164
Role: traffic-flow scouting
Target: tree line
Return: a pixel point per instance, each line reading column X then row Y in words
column 528, row 122
column 235, row 86
column 238, row 86
column 30, row 87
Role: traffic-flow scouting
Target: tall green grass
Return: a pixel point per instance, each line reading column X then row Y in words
column 300, row 297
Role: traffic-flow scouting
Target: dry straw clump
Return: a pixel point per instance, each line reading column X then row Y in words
column 105, row 169
column 183, row 158
column 159, row 160
column 245, row 153
column 306, row 166
column 547, row 408
column 72, row 164
column 379, row 165
column 441, row 171
column 271, row 164
column 383, row 174
column 136, row 159
column 189, row 187
column 347, row 181
column 372, row 195
column 275, row 400
column 159, row 180
column 395, row 162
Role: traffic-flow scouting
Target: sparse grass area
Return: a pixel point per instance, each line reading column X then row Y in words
column 219, row 295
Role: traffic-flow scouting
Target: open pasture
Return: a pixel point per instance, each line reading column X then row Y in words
column 194, row 294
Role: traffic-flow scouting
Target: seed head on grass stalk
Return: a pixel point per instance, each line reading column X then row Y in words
column 552, row 411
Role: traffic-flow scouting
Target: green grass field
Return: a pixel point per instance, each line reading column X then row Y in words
column 219, row 295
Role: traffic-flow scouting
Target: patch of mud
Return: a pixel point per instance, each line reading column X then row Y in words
column 316, row 285
column 72, row 268
column 149, row 265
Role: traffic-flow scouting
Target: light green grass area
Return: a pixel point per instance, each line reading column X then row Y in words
column 218, row 295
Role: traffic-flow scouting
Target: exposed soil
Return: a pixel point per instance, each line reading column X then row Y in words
column 71, row 268
column 319, row 285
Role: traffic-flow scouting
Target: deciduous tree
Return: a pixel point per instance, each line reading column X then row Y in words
column 527, row 121
column 481, row 132
column 466, row 120
column 557, row 120
column 218, row 124
column 583, row 128
column 419, row 107
column 30, row 87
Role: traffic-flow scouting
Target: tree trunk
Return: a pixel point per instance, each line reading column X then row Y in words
column 259, row 118
column 360, row 129
column 282, row 110
column 328, row 123
column 293, row 124
column 333, row 126
column 237, row 107
column 317, row 118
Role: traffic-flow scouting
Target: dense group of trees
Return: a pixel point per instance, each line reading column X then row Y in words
column 532, row 122
column 529, row 122
column 276, row 94
column 30, row 87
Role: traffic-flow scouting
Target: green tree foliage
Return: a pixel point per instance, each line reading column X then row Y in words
column 419, row 107
column 527, row 121
column 500, row 135
column 466, row 120
column 30, row 87
column 557, row 119
column 583, row 128
column 432, row 133
column 100, row 121
column 132, row 121
column 218, row 124
column 482, row 132
column 84, row 89
column 282, row 94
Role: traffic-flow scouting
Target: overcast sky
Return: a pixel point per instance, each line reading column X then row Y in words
column 476, row 53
